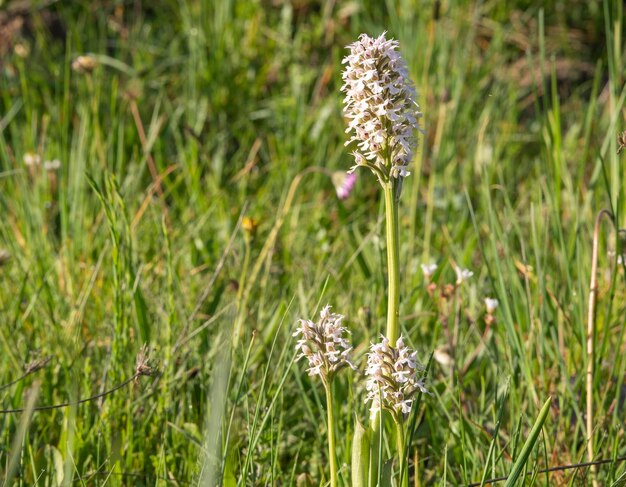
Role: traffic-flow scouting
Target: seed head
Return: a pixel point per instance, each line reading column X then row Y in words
column 38, row 363
column 380, row 105
column 144, row 363
column 324, row 344
column 84, row 64
column 621, row 141
column 392, row 378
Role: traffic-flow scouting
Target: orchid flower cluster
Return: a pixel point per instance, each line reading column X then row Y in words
column 394, row 376
column 324, row 344
column 380, row 104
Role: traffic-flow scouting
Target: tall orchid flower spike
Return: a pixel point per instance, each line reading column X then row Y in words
column 383, row 117
column 380, row 106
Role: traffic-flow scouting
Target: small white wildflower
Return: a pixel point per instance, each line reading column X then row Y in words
column 491, row 305
column 324, row 344
column 380, row 105
column 32, row 159
column 53, row 165
column 428, row 270
column 462, row 275
column 392, row 378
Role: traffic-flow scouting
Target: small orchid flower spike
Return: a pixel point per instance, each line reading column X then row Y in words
column 393, row 378
column 324, row 344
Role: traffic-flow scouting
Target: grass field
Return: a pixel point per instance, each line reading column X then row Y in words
column 192, row 211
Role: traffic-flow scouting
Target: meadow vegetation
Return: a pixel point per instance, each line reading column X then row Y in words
column 172, row 188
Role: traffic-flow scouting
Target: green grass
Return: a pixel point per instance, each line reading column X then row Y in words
column 521, row 106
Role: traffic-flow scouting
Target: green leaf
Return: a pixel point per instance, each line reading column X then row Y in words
column 385, row 477
column 360, row 455
column 229, row 472
column 55, row 460
column 528, row 446
column 620, row 481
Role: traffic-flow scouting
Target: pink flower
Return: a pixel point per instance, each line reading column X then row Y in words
column 344, row 183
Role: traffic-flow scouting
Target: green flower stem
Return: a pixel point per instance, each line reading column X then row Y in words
column 393, row 260
column 404, row 478
column 376, row 450
column 331, row 436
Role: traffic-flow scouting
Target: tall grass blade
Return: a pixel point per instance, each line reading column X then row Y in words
column 527, row 449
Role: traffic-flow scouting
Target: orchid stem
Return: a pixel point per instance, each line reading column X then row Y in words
column 404, row 479
column 393, row 260
column 331, row 436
